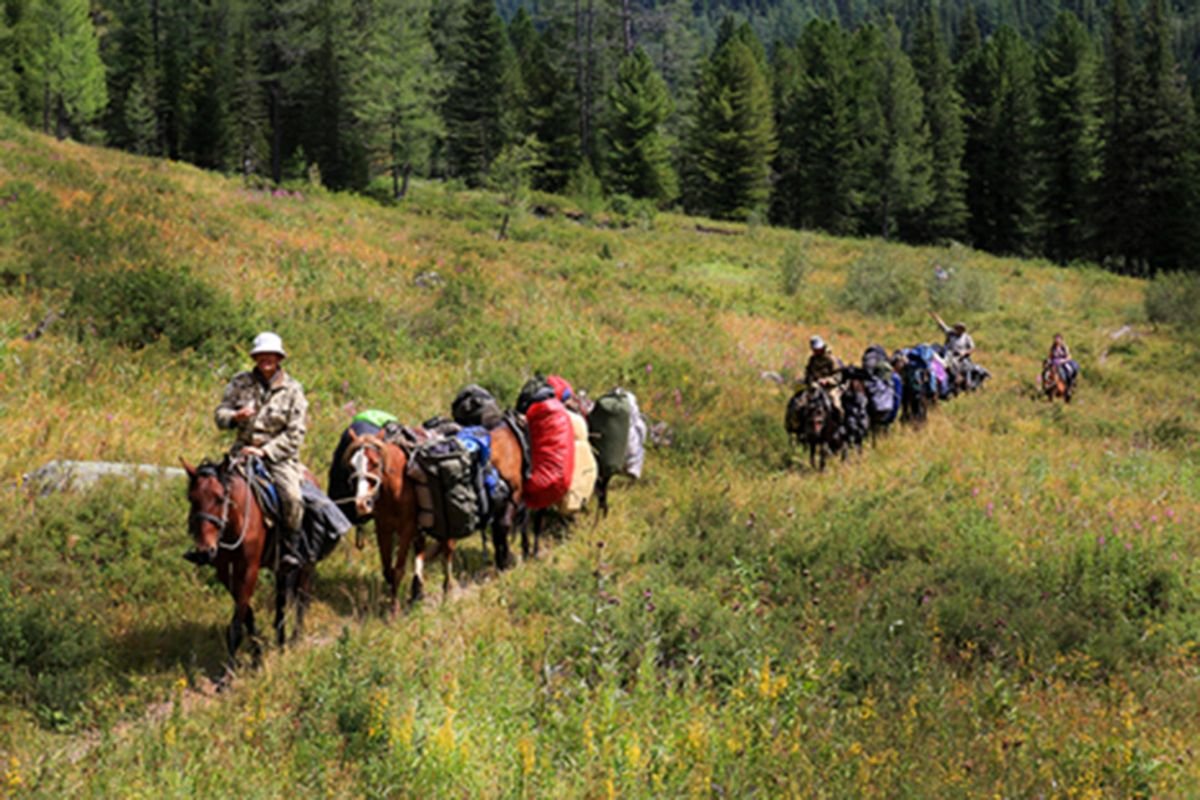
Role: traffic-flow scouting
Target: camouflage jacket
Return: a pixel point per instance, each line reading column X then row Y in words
column 281, row 418
column 820, row 366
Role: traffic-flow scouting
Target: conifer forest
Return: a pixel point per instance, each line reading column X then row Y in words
column 1062, row 130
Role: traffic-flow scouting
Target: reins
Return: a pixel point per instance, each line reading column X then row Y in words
column 222, row 522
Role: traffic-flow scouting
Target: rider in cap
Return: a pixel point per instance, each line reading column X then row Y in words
column 824, row 368
column 268, row 409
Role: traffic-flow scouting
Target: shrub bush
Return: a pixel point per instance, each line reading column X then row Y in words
column 1173, row 298
column 794, row 267
column 48, row 657
column 136, row 308
column 879, row 287
column 962, row 289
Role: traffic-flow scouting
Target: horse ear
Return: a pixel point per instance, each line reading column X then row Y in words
column 188, row 468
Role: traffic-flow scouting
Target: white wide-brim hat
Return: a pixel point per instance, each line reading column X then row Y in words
column 267, row 342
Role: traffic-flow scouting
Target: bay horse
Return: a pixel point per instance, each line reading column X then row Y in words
column 1055, row 382
column 384, row 492
column 230, row 532
column 811, row 420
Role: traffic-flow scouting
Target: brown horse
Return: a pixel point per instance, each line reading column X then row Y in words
column 230, row 532
column 1054, row 381
column 383, row 491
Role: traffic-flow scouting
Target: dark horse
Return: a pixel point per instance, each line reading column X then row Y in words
column 916, row 394
column 230, row 532
column 812, row 420
column 856, row 414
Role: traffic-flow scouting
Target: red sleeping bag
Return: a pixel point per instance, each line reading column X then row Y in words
column 552, row 442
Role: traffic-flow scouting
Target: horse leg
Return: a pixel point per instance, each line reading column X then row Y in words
column 501, row 527
column 301, row 594
column 539, row 521
column 385, row 537
column 602, row 493
column 418, row 581
column 446, row 549
column 282, row 578
column 525, row 523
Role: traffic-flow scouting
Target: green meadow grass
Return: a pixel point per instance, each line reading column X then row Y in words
column 1003, row 602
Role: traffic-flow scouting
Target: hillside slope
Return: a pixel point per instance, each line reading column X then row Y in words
column 1003, row 601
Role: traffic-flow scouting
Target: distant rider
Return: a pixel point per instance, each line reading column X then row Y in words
column 959, row 346
column 824, row 369
column 268, row 408
column 1060, row 357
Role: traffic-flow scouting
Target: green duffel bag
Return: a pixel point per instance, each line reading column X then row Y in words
column 608, row 430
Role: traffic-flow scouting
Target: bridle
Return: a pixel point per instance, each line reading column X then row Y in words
column 357, row 461
column 222, row 522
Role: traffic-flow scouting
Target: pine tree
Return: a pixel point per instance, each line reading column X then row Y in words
column 638, row 157
column 891, row 117
column 133, row 79
column 1168, row 151
column 1012, row 175
column 60, row 60
column 732, row 140
column 997, row 86
column 206, row 139
column 249, row 126
column 1068, row 139
column 1122, row 212
column 396, row 93
column 974, row 86
column 9, row 98
column 946, row 216
column 786, row 84
column 480, row 92
column 549, row 100
column 819, row 153
column 139, row 120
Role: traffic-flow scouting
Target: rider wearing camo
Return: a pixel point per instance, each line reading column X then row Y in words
column 269, row 411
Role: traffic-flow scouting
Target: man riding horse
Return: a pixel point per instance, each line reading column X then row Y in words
column 268, row 409
column 824, row 370
column 959, row 347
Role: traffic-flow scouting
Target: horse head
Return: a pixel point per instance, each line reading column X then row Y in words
column 209, row 497
column 818, row 407
column 365, row 458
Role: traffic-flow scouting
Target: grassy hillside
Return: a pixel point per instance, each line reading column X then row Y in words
column 1003, row 602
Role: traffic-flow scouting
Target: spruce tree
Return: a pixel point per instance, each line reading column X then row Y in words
column 61, row 65
column 549, row 100
column 946, row 216
column 897, row 189
column 1168, row 151
column 1068, row 139
column 819, row 149
column 9, row 98
column 248, row 105
column 732, row 140
column 787, row 82
column 396, row 92
column 480, row 93
column 1122, row 211
column 1012, row 175
column 638, row 157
